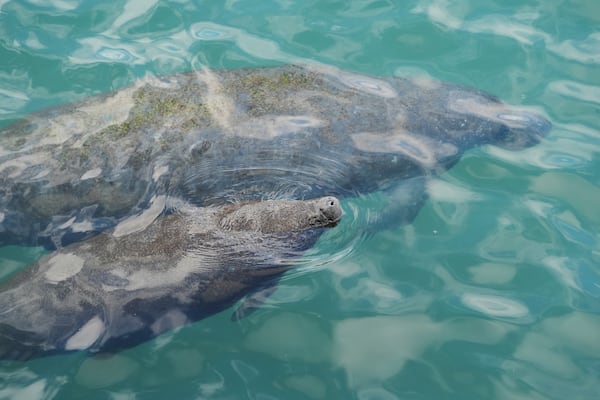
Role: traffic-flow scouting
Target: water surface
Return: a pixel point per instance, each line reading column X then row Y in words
column 493, row 292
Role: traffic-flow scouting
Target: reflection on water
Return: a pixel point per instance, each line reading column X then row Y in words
column 494, row 306
column 518, row 28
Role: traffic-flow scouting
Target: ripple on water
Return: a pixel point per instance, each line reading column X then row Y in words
column 571, row 229
column 114, row 54
column 97, row 372
column 562, row 160
column 495, row 306
column 208, row 34
column 580, row 275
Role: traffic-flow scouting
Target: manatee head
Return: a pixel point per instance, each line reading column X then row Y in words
column 484, row 119
column 521, row 129
column 324, row 212
column 277, row 216
column 433, row 123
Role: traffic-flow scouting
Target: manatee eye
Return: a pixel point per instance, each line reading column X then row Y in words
column 331, row 203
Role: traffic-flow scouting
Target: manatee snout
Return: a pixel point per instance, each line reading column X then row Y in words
column 484, row 119
column 330, row 210
column 522, row 129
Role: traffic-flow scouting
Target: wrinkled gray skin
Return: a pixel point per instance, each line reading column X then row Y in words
column 116, row 290
column 239, row 135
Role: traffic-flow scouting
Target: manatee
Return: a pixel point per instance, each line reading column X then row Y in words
column 114, row 290
column 231, row 135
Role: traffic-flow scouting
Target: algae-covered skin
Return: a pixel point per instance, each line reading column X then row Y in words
column 217, row 136
column 118, row 289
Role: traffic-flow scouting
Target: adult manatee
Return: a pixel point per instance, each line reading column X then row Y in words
column 238, row 135
column 120, row 288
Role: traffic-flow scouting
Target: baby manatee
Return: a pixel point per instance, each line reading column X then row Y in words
column 117, row 290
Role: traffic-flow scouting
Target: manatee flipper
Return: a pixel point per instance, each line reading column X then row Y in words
column 403, row 202
column 254, row 301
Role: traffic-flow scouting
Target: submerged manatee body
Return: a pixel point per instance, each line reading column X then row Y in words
column 236, row 135
column 116, row 290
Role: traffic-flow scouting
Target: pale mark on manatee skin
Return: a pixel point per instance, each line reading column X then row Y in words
column 371, row 86
column 173, row 276
column 269, row 127
column 63, row 266
column 92, row 173
column 471, row 106
column 159, row 171
column 67, row 224
column 41, row 175
column 493, row 111
column 86, row 335
column 140, row 221
column 362, row 83
column 4, row 152
column 83, row 226
column 421, row 150
column 426, row 82
column 220, row 105
column 17, row 166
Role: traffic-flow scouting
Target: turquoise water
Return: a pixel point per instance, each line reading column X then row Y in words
column 492, row 293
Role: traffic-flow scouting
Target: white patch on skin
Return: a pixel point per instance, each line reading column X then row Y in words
column 470, row 105
column 465, row 104
column 63, row 266
column 220, row 105
column 67, row 224
column 421, row 150
column 84, row 226
column 159, row 171
column 269, row 127
column 92, row 173
column 21, row 163
column 426, row 82
column 142, row 279
column 86, row 335
column 3, row 151
column 362, row 83
column 2, row 216
column 41, row 174
column 368, row 85
column 57, row 128
column 139, row 222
